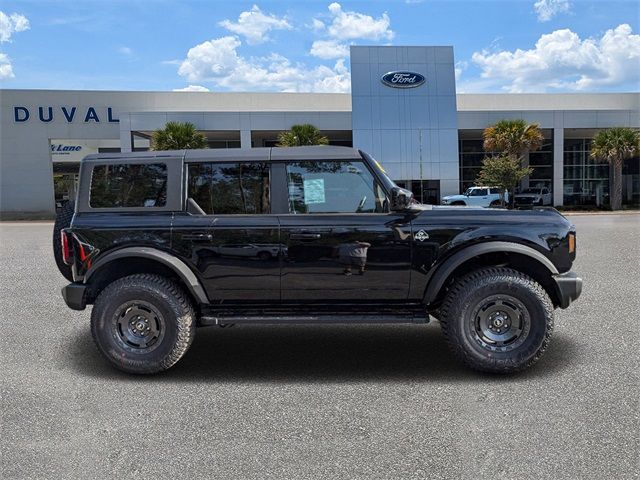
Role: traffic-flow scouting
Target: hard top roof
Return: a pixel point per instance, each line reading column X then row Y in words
column 316, row 152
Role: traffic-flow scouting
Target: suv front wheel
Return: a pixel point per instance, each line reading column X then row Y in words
column 143, row 323
column 497, row 320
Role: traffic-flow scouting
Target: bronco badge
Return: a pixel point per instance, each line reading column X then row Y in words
column 421, row 236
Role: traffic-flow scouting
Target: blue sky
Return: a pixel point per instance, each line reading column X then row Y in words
column 500, row 46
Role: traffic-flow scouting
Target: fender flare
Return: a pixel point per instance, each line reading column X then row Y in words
column 178, row 266
column 436, row 281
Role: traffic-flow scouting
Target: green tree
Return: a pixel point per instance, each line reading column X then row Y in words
column 178, row 136
column 615, row 145
column 513, row 139
column 504, row 172
column 299, row 135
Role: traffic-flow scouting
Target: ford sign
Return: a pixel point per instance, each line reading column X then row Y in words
column 403, row 79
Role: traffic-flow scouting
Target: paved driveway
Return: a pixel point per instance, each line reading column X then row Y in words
column 321, row 401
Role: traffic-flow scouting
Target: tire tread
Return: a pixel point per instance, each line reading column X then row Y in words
column 463, row 287
column 167, row 288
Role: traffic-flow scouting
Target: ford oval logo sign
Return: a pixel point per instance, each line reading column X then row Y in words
column 403, row 79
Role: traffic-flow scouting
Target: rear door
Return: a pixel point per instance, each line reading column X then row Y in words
column 342, row 244
column 235, row 245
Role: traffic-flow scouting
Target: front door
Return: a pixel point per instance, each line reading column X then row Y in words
column 341, row 243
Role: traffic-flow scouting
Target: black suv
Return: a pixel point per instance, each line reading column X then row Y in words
column 163, row 242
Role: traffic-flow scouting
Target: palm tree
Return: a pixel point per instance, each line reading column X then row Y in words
column 178, row 136
column 304, row 134
column 615, row 145
column 513, row 138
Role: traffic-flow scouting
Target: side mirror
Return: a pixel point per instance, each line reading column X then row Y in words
column 400, row 199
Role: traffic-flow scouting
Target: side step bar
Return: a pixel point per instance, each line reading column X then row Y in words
column 312, row 319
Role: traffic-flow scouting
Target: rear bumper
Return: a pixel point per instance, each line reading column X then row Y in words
column 569, row 287
column 74, row 296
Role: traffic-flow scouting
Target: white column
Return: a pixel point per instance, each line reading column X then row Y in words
column 558, row 167
column 125, row 133
column 245, row 138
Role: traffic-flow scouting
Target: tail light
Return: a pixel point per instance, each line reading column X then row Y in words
column 65, row 242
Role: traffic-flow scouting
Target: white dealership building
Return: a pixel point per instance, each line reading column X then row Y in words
column 426, row 136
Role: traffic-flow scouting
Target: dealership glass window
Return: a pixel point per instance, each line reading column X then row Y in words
column 542, row 163
column 230, row 188
column 223, row 143
column 129, row 185
column 586, row 180
column 472, row 154
column 333, row 187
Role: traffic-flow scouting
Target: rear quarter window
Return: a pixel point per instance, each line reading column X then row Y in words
column 129, row 185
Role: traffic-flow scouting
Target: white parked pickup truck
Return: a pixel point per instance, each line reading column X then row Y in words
column 533, row 196
column 477, row 197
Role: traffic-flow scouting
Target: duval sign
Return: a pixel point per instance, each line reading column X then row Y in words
column 403, row 79
column 68, row 114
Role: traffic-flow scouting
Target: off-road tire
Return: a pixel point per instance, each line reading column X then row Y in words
column 171, row 308
column 63, row 220
column 495, row 204
column 459, row 319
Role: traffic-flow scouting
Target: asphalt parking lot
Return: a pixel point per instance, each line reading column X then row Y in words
column 322, row 401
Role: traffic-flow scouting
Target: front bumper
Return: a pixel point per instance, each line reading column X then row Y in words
column 74, row 296
column 569, row 287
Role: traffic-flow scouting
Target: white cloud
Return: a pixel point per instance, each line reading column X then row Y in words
column 217, row 61
column 563, row 61
column 328, row 49
column 347, row 25
column 547, row 9
column 317, row 25
column 192, row 88
column 125, row 51
column 254, row 25
column 10, row 24
column 6, row 70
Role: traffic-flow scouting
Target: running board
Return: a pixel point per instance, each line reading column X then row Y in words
column 312, row 319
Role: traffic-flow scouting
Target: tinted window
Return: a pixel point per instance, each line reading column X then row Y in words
column 333, row 187
column 129, row 185
column 495, row 191
column 477, row 192
column 230, row 188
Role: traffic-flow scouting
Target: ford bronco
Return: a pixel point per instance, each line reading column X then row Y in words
column 163, row 242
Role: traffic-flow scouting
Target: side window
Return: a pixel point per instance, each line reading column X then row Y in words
column 333, row 187
column 128, row 185
column 545, row 191
column 230, row 188
column 494, row 191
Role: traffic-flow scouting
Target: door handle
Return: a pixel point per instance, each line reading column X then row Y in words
column 304, row 236
column 198, row 236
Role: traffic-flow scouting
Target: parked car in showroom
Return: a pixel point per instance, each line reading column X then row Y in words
column 477, row 197
column 533, row 196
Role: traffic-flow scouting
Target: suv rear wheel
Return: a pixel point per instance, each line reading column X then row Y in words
column 497, row 320
column 143, row 323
